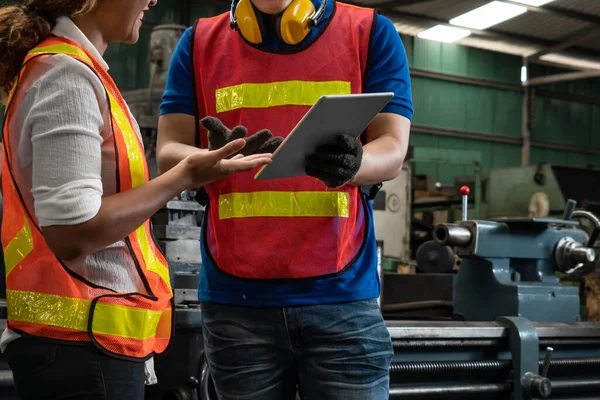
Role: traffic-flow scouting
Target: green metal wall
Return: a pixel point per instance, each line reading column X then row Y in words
column 494, row 111
column 129, row 64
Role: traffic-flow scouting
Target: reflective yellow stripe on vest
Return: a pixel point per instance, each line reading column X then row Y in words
column 18, row 248
column 287, row 93
column 72, row 313
column 61, row 49
column 137, row 171
column 284, row 204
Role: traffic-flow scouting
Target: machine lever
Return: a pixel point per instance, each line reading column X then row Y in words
column 464, row 191
column 546, row 363
column 569, row 209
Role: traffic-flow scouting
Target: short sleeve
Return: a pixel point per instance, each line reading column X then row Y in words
column 178, row 97
column 63, row 116
column 388, row 68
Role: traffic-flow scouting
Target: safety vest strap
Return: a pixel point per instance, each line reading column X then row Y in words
column 133, row 167
column 112, row 317
column 284, row 204
column 276, row 94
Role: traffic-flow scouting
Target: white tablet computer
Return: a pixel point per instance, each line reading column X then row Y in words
column 328, row 117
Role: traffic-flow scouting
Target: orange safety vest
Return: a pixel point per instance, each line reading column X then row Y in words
column 286, row 228
column 47, row 299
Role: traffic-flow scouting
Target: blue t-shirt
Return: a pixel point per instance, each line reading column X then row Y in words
column 387, row 72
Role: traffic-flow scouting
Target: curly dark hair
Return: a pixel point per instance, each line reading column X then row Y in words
column 24, row 26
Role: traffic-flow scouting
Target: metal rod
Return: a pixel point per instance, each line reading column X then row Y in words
column 417, row 305
column 434, row 130
column 576, row 386
column 568, row 76
column 581, row 35
column 442, row 76
column 445, row 367
column 446, row 343
column 566, row 366
column 452, row 235
column 565, row 147
column 421, row 73
column 6, row 379
column 525, row 132
column 443, row 391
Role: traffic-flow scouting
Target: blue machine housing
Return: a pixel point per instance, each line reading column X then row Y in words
column 508, row 269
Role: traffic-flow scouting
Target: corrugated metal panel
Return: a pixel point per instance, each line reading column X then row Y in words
column 462, row 107
column 445, row 9
column 569, row 159
column 559, row 121
column 466, row 61
column 493, row 155
column 584, row 6
column 537, row 25
column 595, row 131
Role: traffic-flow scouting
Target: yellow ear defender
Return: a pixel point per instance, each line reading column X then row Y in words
column 294, row 24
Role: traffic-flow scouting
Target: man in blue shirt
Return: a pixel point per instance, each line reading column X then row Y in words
column 261, row 336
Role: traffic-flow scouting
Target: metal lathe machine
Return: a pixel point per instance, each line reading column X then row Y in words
column 517, row 333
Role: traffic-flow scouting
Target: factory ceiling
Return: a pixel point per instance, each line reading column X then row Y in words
column 560, row 32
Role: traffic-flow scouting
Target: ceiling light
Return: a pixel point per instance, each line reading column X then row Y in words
column 446, row 34
column 535, row 3
column 490, row 14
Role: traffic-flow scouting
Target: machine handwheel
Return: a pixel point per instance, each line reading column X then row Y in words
column 588, row 268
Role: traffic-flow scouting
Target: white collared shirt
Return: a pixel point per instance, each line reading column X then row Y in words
column 67, row 159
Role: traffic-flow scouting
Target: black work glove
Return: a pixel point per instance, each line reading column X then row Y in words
column 219, row 135
column 336, row 163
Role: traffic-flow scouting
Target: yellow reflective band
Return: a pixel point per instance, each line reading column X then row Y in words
column 152, row 262
column 19, row 247
column 128, row 322
column 137, row 170
column 287, row 93
column 61, row 49
column 134, row 153
column 284, row 204
column 71, row 313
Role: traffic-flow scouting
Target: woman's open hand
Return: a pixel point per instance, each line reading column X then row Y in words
column 205, row 167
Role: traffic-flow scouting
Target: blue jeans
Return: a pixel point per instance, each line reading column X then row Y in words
column 338, row 351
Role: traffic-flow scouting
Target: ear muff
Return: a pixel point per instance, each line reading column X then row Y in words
column 294, row 26
column 247, row 23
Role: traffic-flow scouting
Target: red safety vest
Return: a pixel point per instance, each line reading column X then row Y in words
column 44, row 297
column 286, row 228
